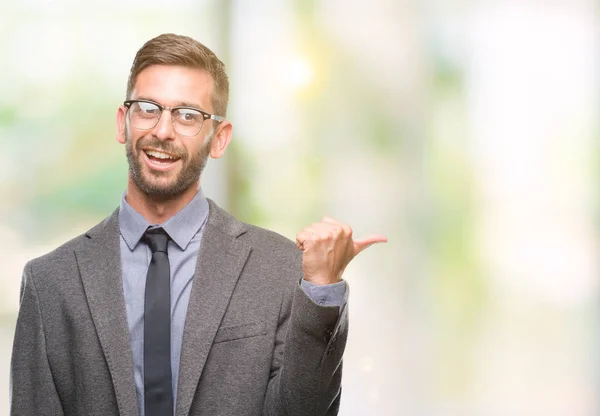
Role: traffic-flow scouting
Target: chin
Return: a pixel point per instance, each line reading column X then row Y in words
column 164, row 190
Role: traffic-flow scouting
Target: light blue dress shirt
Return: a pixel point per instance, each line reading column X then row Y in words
column 185, row 229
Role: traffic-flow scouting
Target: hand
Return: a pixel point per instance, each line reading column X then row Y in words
column 328, row 248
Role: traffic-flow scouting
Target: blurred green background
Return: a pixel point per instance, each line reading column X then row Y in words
column 466, row 131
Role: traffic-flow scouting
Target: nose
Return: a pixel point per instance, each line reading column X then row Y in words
column 164, row 128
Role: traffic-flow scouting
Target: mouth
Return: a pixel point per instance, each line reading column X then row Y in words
column 159, row 160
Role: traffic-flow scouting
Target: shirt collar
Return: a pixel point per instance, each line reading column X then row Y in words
column 181, row 227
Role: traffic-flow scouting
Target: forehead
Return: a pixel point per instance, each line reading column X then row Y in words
column 175, row 85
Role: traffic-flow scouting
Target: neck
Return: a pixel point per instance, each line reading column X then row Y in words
column 158, row 210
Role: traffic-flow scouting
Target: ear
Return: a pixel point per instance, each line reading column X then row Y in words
column 121, row 124
column 221, row 139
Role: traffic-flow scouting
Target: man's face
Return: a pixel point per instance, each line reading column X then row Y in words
column 162, row 163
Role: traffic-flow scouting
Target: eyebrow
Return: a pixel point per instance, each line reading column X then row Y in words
column 178, row 104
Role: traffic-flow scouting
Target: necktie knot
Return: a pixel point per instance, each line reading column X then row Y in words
column 156, row 239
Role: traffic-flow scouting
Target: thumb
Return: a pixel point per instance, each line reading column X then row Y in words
column 363, row 243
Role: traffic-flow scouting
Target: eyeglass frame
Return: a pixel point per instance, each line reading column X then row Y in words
column 163, row 108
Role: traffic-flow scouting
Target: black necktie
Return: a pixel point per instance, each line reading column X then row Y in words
column 158, row 390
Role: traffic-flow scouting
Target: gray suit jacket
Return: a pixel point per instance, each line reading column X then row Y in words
column 253, row 343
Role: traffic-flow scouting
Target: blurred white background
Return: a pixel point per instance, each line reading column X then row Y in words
column 466, row 131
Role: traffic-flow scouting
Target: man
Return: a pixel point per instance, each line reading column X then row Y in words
column 170, row 305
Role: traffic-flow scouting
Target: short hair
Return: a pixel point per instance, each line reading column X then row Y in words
column 171, row 49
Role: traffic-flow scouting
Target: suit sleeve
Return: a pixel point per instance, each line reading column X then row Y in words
column 32, row 389
column 307, row 365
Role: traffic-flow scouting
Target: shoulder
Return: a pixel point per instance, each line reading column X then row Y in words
column 64, row 254
column 276, row 245
column 266, row 243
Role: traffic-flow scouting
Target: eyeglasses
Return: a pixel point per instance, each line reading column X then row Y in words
column 187, row 121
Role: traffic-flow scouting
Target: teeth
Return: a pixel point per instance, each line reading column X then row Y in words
column 158, row 155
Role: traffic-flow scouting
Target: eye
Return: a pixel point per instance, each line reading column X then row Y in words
column 146, row 109
column 188, row 116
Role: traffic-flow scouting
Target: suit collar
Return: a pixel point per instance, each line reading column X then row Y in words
column 220, row 262
column 224, row 221
column 99, row 261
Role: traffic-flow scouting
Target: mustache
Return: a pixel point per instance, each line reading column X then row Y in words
column 160, row 145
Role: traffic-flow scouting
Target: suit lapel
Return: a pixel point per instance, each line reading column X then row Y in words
column 99, row 262
column 220, row 262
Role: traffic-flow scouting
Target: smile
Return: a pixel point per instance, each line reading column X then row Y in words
column 160, row 161
column 160, row 155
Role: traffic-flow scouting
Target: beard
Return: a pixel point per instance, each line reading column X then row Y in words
column 156, row 184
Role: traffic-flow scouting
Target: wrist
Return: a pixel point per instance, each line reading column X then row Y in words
column 323, row 280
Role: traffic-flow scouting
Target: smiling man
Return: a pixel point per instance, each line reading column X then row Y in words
column 171, row 305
